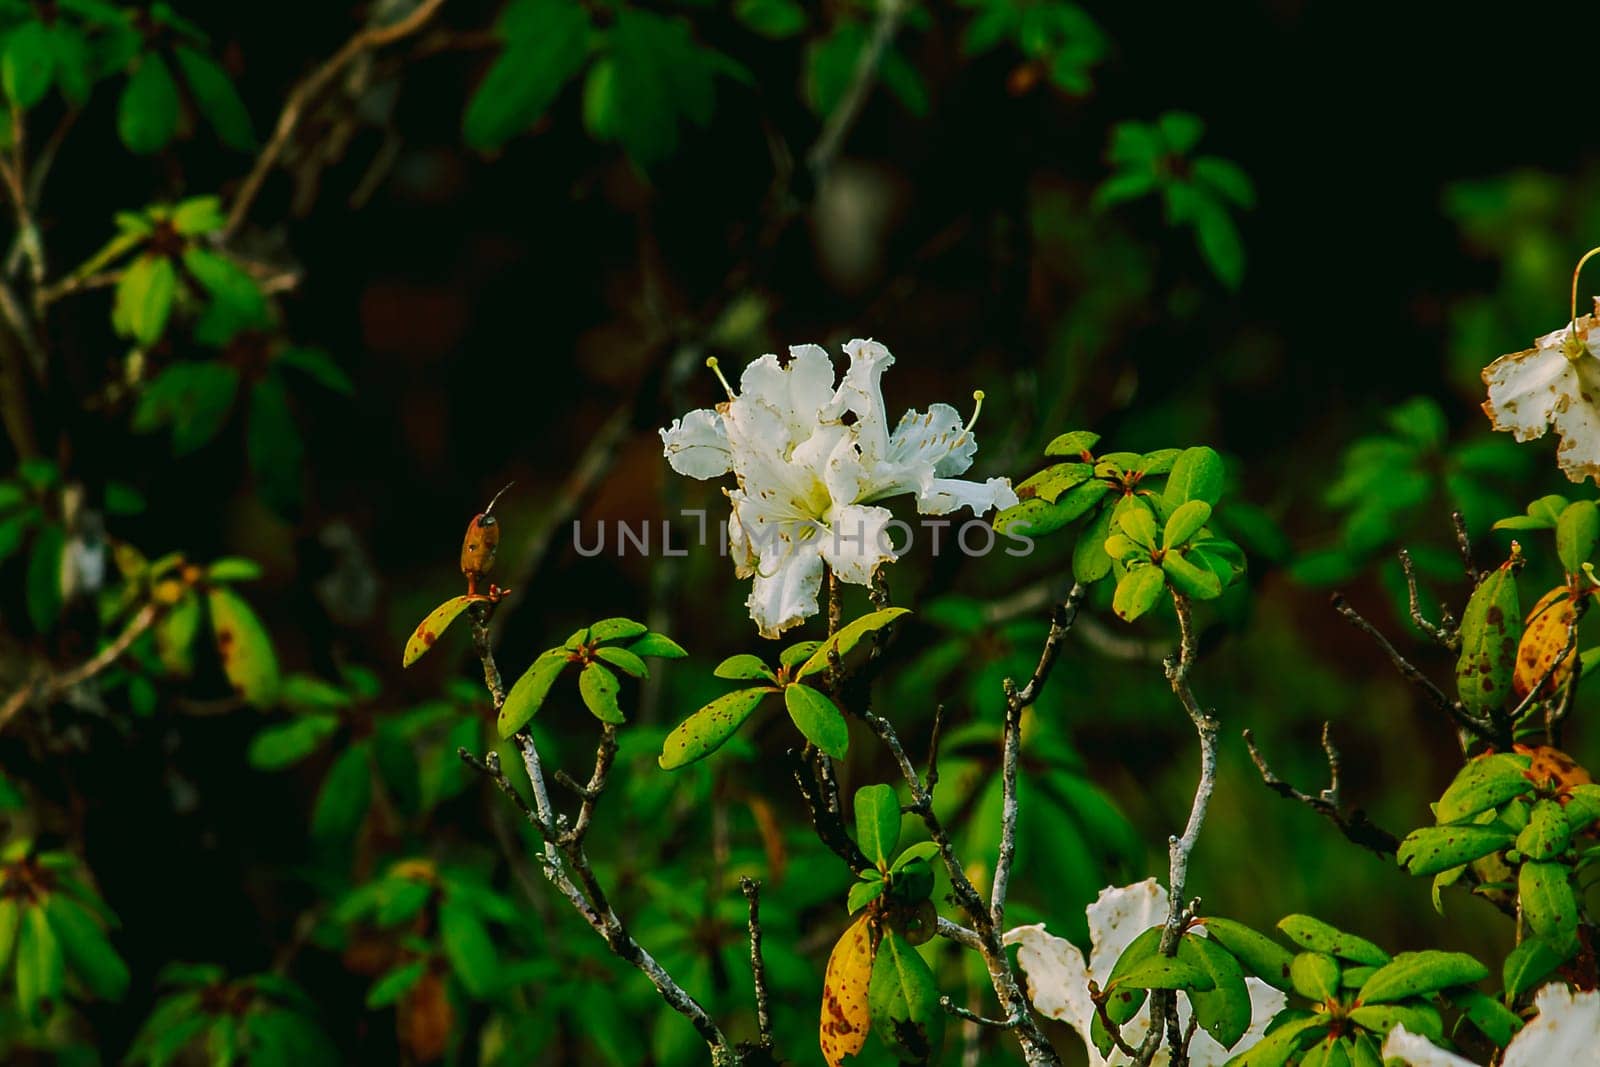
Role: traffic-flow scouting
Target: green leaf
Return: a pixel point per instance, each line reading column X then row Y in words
column 744, row 666
column 175, row 634
column 44, row 577
column 707, row 729
column 847, row 639
column 1548, row 905
column 863, row 893
column 88, row 952
column 1196, row 475
column 247, row 655
column 817, row 717
column 1191, row 579
column 40, row 969
column 10, row 917
column 394, row 984
column 1484, row 783
column 217, row 99
column 1163, row 972
column 1492, row 1018
column 237, row 302
column 1418, row 1018
column 1577, row 532
column 798, row 653
column 320, row 367
column 1278, row 1046
column 1181, row 130
column 1433, row 849
column 1491, row 631
column 878, row 822
column 903, row 1001
column 615, row 629
column 74, row 73
column 1315, row 975
column 430, row 629
column 27, row 65
column 1138, row 592
column 342, row 801
column 1261, row 956
column 1542, row 514
column 147, row 115
column 1548, row 834
column 233, row 569
column 193, row 398
column 658, row 645
column 1318, row 936
column 273, row 444
column 1090, row 562
column 469, row 948
column 623, row 660
column 1226, row 178
column 1135, row 519
column 599, row 688
column 143, row 299
column 1050, row 483
column 659, row 77
column 1412, row 974
column 776, row 19
column 528, row 694
column 547, row 44
column 277, row 747
column 1528, row 965
column 1219, row 240
column 1074, row 443
column 1185, row 521
column 1225, row 1012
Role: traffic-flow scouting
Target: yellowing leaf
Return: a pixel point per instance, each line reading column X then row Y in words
column 845, row 1010
column 247, row 656
column 429, row 629
column 1542, row 644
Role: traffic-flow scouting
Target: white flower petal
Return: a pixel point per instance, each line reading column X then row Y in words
column 936, row 439
column 944, row 495
column 1565, row 1032
column 1265, row 1002
column 856, row 541
column 1418, row 1051
column 1058, row 978
column 697, row 445
column 784, row 590
column 1531, row 390
column 798, row 390
column 860, row 393
column 1118, row 916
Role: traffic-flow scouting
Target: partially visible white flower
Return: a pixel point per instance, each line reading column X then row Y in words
column 810, row 460
column 1554, row 383
column 1058, row 976
column 1566, row 1033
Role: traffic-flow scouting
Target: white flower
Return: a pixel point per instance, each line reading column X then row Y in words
column 1554, row 383
column 1058, row 976
column 810, row 459
column 1566, row 1032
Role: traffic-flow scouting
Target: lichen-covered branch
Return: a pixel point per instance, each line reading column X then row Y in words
column 566, row 863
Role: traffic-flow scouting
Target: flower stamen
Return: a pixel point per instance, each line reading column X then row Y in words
column 711, row 361
column 977, row 395
column 1574, row 347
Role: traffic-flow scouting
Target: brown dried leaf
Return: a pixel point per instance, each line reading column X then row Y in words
column 1542, row 644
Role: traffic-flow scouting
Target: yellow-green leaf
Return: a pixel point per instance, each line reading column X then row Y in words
column 247, row 656
column 709, row 728
column 527, row 696
column 846, row 1011
column 847, row 638
column 429, row 629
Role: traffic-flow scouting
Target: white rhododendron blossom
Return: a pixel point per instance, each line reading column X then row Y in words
column 1566, row 1032
column 811, row 459
column 1554, row 383
column 1058, row 975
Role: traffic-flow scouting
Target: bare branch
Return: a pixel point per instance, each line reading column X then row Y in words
column 959, row 1012
column 844, row 115
column 50, row 686
column 1446, row 633
column 1455, row 710
column 1353, row 823
column 1464, row 546
column 300, row 98
column 758, row 966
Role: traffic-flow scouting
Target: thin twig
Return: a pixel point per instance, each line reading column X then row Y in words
column 49, row 687
column 1011, row 745
column 300, row 98
column 1353, row 823
column 1163, row 1003
column 1446, row 633
column 1464, row 546
column 959, row 1012
column 844, row 115
column 1454, row 709
column 758, row 965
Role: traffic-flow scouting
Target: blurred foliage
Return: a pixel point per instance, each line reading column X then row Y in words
column 246, row 412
